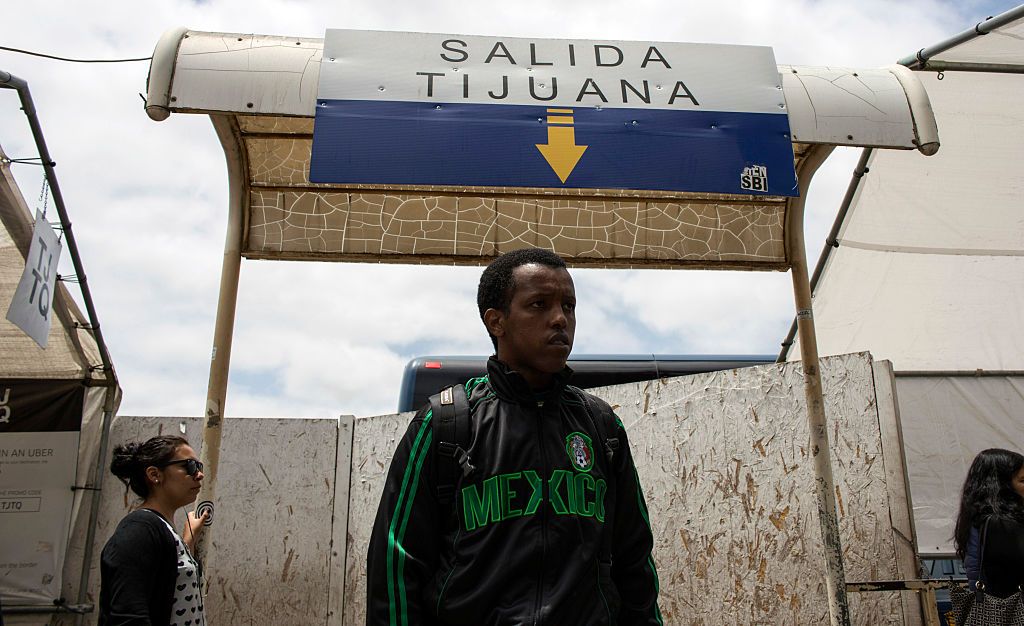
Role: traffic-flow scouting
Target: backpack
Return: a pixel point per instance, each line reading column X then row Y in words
column 452, row 431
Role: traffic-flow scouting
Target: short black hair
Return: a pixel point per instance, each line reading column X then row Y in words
column 497, row 284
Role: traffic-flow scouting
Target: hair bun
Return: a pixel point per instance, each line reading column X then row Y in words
column 125, row 459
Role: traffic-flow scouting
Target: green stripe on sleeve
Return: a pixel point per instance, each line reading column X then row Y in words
column 650, row 560
column 405, row 522
column 394, row 544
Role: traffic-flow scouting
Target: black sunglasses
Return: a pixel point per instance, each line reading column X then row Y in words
column 192, row 466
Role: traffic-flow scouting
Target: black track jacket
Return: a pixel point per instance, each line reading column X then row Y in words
column 545, row 530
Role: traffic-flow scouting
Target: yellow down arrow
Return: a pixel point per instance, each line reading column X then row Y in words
column 561, row 151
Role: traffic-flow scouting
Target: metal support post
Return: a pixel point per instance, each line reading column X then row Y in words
column 835, row 576
column 109, row 399
column 223, row 330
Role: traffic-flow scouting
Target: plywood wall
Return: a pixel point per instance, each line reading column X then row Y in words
column 272, row 535
column 724, row 465
column 728, row 478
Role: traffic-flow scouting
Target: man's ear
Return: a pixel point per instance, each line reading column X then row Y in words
column 494, row 320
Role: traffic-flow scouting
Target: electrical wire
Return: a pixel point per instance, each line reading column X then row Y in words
column 57, row 58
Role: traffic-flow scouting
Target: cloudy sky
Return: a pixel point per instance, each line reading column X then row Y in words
column 148, row 200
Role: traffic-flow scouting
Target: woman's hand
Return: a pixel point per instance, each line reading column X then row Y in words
column 194, row 525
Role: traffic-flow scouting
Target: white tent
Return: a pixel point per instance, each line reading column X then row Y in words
column 927, row 271
column 71, row 360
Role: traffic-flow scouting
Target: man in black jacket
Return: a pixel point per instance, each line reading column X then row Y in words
column 547, row 523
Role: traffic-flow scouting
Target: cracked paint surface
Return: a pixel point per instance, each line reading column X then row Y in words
column 410, row 225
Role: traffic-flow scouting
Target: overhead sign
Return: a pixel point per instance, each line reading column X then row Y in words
column 431, row 109
column 31, row 305
column 40, row 424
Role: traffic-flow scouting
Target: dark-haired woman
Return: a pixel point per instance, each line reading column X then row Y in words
column 147, row 573
column 992, row 507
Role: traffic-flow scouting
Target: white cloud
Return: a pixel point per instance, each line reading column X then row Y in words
column 149, row 200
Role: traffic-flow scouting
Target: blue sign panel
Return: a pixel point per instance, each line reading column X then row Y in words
column 418, row 109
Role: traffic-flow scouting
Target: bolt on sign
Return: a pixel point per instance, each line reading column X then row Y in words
column 431, row 109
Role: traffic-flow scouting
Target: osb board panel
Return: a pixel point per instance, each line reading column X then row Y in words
column 305, row 224
column 725, row 468
column 724, row 465
column 373, row 444
column 272, row 534
column 275, row 497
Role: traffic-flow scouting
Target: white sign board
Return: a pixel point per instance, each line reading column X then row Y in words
column 32, row 303
column 433, row 109
column 40, row 424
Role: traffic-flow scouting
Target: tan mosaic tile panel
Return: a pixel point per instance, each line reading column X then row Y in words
column 278, row 161
column 275, row 124
column 475, row 230
column 574, row 228
column 417, row 224
column 297, row 223
column 722, row 231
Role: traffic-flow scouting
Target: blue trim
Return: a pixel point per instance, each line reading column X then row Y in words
column 495, row 145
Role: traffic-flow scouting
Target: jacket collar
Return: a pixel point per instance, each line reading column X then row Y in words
column 510, row 385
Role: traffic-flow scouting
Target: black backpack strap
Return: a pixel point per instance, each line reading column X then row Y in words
column 610, row 445
column 450, row 410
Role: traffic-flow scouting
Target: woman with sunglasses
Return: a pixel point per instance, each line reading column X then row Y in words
column 147, row 573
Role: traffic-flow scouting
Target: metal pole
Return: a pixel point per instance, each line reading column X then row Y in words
column 835, row 576
column 223, row 330
column 110, row 376
column 918, row 59
column 94, row 508
column 832, row 241
column 8, row 80
column 954, row 66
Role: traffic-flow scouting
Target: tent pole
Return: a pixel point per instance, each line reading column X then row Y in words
column 835, row 576
column 220, row 359
column 109, row 397
column 9, row 81
column 832, row 241
column 919, row 59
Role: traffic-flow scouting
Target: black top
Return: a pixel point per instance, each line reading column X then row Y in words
column 138, row 568
column 1003, row 565
column 545, row 530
